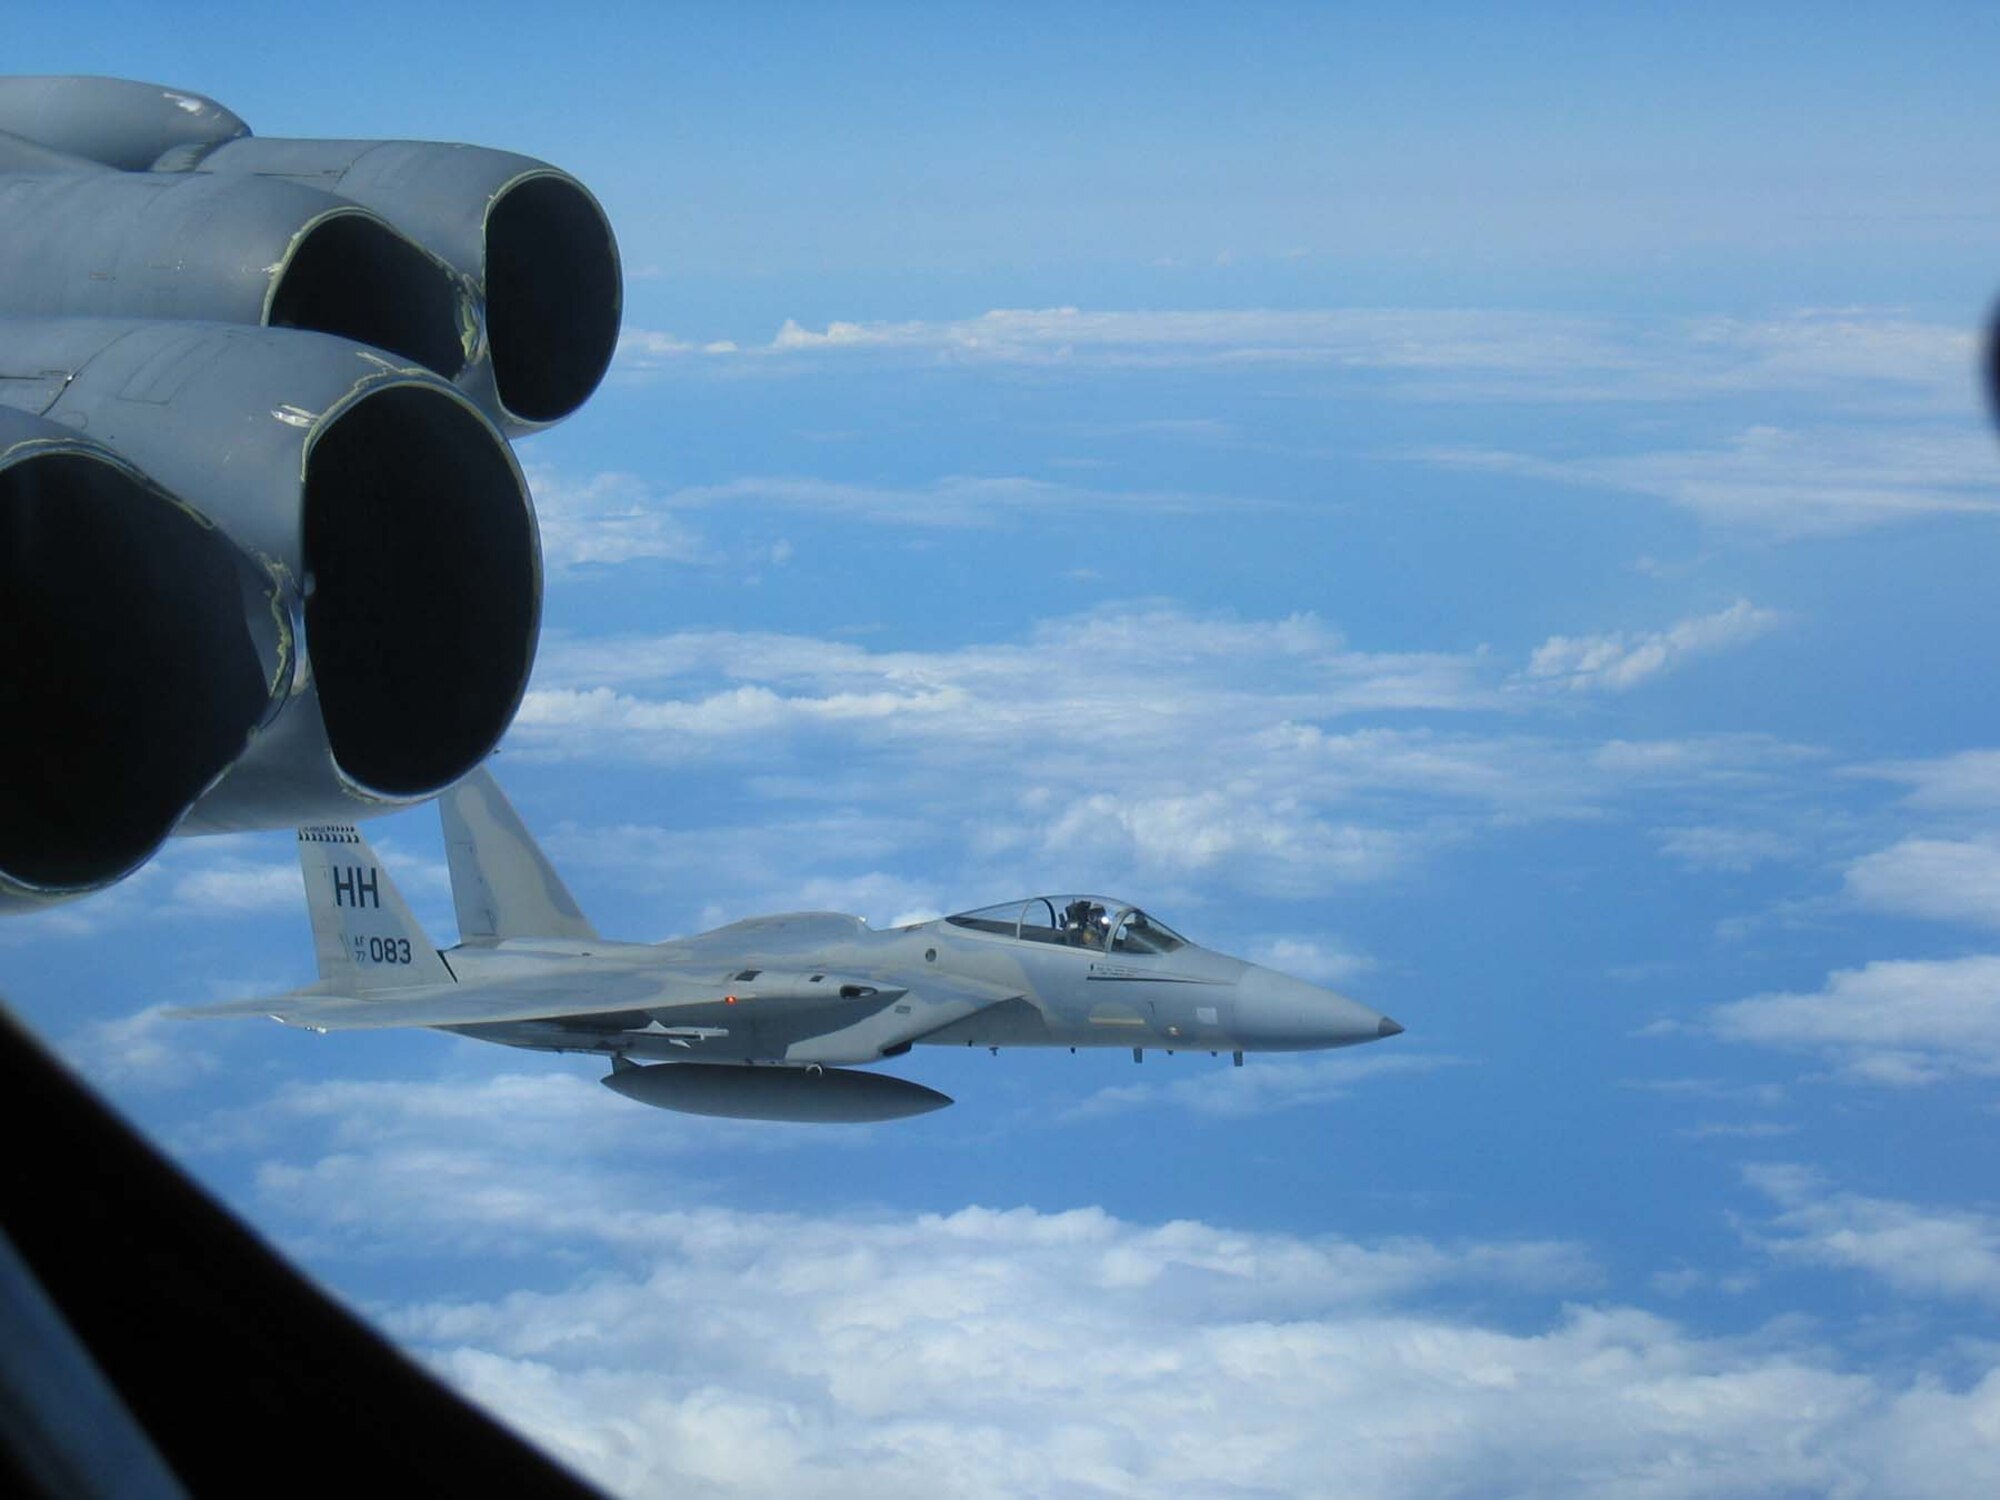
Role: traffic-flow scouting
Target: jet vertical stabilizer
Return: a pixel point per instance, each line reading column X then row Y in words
column 501, row 882
column 366, row 937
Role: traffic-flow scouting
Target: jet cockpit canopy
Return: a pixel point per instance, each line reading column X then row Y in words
column 1104, row 923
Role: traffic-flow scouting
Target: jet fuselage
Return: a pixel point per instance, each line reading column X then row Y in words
column 809, row 987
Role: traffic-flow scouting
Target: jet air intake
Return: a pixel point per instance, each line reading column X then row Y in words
column 810, row 1095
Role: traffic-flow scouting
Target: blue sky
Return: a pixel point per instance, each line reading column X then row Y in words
column 1495, row 513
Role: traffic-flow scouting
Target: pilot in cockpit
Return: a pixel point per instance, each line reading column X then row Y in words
column 1084, row 920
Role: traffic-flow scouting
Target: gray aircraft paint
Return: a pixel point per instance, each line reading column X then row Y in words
column 515, row 892
column 811, row 1096
column 270, row 559
column 120, row 122
column 808, row 994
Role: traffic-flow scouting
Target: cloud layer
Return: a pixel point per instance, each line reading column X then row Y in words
column 1920, row 1252
column 1787, row 481
column 1949, row 880
column 1901, row 1022
column 984, row 1351
column 1619, row 661
column 1073, row 746
column 1491, row 354
column 1006, row 1352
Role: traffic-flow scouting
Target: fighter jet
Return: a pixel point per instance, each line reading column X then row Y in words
column 769, row 1018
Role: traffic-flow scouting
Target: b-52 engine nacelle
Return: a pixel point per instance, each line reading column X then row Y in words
column 266, row 556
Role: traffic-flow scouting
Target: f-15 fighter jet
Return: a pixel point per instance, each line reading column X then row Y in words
column 763, row 1019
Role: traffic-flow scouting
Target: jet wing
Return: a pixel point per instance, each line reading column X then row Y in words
column 438, row 1007
column 450, row 1005
column 931, row 1003
column 790, row 999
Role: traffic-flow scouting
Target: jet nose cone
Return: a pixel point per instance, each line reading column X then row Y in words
column 1275, row 1013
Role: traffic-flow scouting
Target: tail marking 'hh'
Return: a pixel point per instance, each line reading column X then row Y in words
column 363, row 933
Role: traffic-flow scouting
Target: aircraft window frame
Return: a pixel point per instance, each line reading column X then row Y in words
column 989, row 919
column 1159, row 938
column 1035, row 933
column 1008, row 919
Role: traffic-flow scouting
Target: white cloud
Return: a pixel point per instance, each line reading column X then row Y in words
column 1320, row 962
column 1823, row 348
column 1878, row 358
column 1713, row 1090
column 1943, row 879
column 1919, row 1252
column 1968, row 781
column 641, row 346
column 1726, row 1130
column 1393, row 339
column 1722, row 760
column 1904, row 1022
column 233, row 884
column 1685, row 1279
column 1114, row 678
column 1070, row 749
column 1620, row 661
column 145, row 1051
column 1014, row 1352
column 954, row 501
column 1262, row 1086
column 489, row 1160
column 1292, row 843
column 1073, row 744
column 609, row 518
column 1951, row 874
column 1707, row 847
column 1790, row 482
column 799, row 862
column 883, row 900
column 1715, row 1093
column 236, row 875
column 228, row 875
column 606, row 519
column 662, row 1345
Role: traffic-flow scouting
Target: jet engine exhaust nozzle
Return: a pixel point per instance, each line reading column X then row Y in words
column 143, row 649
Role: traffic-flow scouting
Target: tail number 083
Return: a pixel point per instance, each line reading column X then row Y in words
column 381, row 950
